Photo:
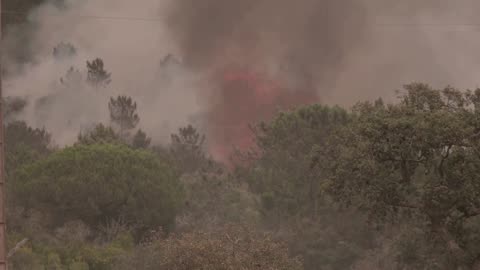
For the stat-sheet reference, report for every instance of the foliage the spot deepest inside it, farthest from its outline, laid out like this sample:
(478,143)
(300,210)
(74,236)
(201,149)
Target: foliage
(416,160)
(70,247)
(140,140)
(227,248)
(21,7)
(98,135)
(97,76)
(213,198)
(336,241)
(123,113)
(281,173)
(292,195)
(385,186)
(187,149)
(101,182)
(24,145)
(16,24)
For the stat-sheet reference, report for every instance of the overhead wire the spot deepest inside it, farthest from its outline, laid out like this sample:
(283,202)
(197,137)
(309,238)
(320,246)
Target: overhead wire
(447,26)
(124,18)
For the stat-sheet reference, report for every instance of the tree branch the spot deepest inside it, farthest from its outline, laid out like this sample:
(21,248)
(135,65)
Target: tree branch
(18,246)
(444,157)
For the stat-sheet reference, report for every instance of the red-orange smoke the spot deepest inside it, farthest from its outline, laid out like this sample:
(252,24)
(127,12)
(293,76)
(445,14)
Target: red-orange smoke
(243,98)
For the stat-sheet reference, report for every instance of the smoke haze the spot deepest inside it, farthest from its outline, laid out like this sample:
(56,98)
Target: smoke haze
(307,39)
(335,51)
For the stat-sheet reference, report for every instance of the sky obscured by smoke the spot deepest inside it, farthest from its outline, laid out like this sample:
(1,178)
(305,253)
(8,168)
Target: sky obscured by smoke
(343,51)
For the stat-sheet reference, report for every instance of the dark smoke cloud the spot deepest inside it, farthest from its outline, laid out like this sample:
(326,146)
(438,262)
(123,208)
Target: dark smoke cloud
(296,49)
(335,51)
(307,39)
(346,49)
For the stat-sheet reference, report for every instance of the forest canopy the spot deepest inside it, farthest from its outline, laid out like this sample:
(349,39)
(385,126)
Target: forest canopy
(324,187)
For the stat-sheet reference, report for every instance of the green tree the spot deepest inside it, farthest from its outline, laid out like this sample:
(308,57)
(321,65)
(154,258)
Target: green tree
(24,145)
(98,135)
(21,8)
(140,140)
(187,149)
(225,248)
(417,161)
(281,172)
(101,182)
(214,198)
(123,114)
(17,26)
(292,195)
(97,76)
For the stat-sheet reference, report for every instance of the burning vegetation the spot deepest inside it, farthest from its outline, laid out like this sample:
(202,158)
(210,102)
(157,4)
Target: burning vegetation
(243,98)
(239,96)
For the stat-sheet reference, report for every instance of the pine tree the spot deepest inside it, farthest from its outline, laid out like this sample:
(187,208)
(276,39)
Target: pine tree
(187,148)
(123,114)
(140,140)
(97,75)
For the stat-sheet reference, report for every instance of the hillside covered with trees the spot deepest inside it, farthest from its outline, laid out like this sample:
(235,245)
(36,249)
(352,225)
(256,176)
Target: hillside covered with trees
(378,186)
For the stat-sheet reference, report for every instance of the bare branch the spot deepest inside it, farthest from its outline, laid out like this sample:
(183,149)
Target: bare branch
(442,161)
(18,246)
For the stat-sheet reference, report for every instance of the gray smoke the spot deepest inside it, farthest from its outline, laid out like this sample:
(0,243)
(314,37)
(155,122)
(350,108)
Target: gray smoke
(346,50)
(132,51)
(310,39)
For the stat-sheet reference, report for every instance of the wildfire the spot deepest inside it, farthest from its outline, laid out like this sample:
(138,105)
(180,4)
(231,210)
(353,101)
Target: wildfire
(243,98)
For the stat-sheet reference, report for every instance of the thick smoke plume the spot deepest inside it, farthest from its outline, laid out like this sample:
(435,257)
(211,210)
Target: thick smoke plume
(313,50)
(243,98)
(281,53)
(306,41)
(132,51)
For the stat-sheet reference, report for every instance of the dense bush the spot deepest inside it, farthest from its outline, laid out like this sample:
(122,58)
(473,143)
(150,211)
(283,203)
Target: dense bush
(226,248)
(101,182)
(383,186)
